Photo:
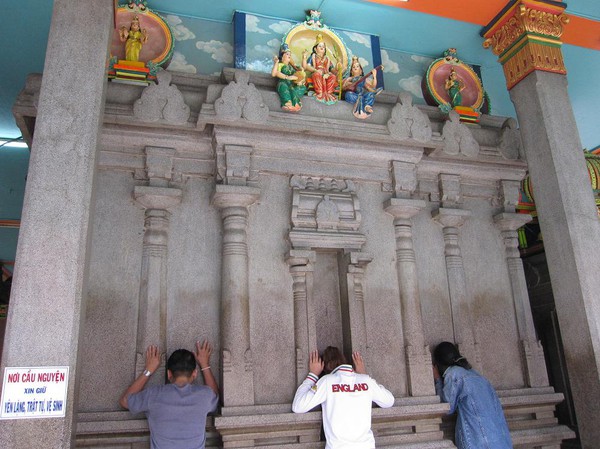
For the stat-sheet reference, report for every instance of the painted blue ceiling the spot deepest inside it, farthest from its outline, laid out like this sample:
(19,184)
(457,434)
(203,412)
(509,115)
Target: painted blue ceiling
(26,23)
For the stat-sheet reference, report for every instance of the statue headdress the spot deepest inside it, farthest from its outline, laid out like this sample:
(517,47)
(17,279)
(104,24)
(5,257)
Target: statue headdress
(284,48)
(319,39)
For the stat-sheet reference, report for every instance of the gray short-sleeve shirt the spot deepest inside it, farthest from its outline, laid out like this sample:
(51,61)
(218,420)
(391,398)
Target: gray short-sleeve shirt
(176,415)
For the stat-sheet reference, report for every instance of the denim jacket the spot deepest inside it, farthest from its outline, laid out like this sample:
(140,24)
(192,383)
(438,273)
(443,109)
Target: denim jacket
(480,423)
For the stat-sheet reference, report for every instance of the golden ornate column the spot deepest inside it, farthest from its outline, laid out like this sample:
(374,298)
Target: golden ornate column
(526,36)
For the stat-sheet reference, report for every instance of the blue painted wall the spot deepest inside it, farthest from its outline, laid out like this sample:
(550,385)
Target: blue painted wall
(13,172)
(408,41)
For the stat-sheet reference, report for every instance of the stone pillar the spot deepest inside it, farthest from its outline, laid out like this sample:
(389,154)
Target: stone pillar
(462,320)
(48,302)
(305,332)
(419,375)
(526,36)
(353,301)
(238,383)
(156,198)
(532,353)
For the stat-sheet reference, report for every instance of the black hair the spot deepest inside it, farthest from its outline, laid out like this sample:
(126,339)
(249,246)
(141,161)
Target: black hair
(314,49)
(181,362)
(446,355)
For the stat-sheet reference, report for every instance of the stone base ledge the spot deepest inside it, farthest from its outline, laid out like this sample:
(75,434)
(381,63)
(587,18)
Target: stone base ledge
(409,425)
(548,437)
(121,430)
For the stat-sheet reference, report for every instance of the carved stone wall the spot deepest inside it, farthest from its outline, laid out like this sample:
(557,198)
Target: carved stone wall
(407,212)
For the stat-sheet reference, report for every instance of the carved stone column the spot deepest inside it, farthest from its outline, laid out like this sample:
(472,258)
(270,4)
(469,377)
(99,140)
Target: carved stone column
(462,321)
(48,304)
(238,383)
(156,198)
(301,264)
(532,351)
(353,304)
(418,357)
(526,37)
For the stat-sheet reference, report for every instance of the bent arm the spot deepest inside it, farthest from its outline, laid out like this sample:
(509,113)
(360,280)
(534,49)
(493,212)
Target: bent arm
(450,394)
(209,380)
(275,70)
(152,364)
(202,355)
(381,396)
(306,64)
(309,394)
(137,386)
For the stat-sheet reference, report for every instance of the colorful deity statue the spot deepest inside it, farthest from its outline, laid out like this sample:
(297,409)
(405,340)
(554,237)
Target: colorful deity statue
(454,86)
(360,90)
(292,81)
(134,39)
(323,74)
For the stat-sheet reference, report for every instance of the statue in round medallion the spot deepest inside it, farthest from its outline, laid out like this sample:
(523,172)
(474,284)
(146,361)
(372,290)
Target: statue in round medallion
(322,71)
(134,38)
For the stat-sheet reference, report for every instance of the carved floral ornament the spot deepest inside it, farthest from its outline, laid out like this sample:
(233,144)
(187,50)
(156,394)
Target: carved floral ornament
(530,20)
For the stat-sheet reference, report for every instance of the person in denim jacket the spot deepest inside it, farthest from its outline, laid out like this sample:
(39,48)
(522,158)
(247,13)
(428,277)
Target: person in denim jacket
(480,423)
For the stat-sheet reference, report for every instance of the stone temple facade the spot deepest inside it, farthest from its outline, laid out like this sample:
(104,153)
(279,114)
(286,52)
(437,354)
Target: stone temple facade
(219,216)
(195,208)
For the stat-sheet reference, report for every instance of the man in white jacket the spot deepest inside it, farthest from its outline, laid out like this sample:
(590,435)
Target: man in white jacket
(347,398)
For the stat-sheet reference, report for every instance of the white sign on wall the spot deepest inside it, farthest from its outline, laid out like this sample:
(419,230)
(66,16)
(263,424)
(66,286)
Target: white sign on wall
(39,392)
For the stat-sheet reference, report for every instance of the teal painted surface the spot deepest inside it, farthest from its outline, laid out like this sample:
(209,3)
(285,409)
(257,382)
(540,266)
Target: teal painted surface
(8,244)
(201,46)
(583,76)
(13,170)
(23,39)
(204,44)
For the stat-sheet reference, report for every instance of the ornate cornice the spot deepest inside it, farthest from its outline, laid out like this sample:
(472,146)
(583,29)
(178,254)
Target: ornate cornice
(526,37)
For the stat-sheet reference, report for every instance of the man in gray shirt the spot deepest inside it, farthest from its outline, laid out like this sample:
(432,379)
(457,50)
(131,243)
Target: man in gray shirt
(176,412)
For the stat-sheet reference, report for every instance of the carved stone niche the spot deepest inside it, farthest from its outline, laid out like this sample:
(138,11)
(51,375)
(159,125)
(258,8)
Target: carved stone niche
(325,214)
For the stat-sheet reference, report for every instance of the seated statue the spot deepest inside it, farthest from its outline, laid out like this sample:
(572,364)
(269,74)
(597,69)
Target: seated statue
(291,85)
(322,72)
(360,90)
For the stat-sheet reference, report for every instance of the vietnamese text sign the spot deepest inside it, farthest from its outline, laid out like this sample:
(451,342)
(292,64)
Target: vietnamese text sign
(39,392)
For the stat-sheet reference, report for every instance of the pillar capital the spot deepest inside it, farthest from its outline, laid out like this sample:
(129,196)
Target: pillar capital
(301,260)
(526,37)
(511,222)
(403,209)
(234,196)
(451,218)
(358,261)
(157,197)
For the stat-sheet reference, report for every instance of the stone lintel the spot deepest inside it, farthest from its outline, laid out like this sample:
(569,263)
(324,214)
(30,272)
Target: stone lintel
(357,261)
(234,196)
(526,37)
(404,209)
(328,240)
(299,257)
(157,197)
(453,218)
(511,222)
(159,151)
